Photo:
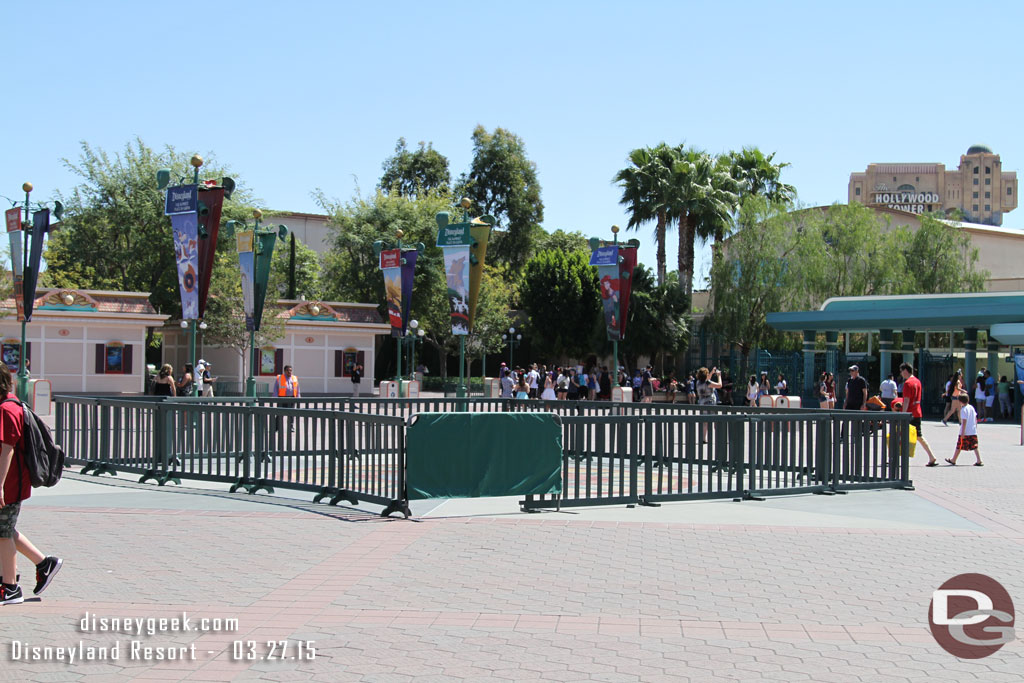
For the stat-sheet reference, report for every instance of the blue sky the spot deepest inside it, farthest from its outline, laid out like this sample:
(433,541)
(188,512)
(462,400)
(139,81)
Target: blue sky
(307,95)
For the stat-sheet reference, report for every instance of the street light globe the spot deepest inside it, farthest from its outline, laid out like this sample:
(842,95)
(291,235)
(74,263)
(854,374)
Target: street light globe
(184,324)
(466,202)
(27,187)
(519,337)
(257,214)
(511,330)
(421,333)
(414,324)
(196,161)
(203,326)
(615,229)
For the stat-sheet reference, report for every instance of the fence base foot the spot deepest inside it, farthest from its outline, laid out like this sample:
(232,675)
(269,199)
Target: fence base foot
(170,476)
(749,495)
(325,492)
(97,468)
(261,484)
(826,492)
(397,506)
(908,487)
(350,498)
(646,504)
(242,483)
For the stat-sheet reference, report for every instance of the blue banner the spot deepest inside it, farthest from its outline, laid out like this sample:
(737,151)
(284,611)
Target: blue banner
(181,199)
(605,256)
(184,231)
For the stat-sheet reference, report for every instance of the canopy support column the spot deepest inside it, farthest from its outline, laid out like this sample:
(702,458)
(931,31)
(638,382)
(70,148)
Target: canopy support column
(970,359)
(808,388)
(831,352)
(885,340)
(908,347)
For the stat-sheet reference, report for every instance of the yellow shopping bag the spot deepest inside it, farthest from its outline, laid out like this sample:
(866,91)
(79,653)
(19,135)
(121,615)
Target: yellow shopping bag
(913,440)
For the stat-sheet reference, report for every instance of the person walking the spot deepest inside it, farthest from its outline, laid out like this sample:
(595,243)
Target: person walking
(781,388)
(357,378)
(287,386)
(707,383)
(549,387)
(979,394)
(533,378)
(1003,391)
(522,387)
(646,388)
(990,397)
(912,393)
(164,384)
(184,387)
(15,487)
(857,391)
(887,391)
(507,383)
(753,391)
(954,387)
(967,440)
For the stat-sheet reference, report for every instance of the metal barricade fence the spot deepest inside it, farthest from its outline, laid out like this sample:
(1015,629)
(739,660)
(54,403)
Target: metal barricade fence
(613,453)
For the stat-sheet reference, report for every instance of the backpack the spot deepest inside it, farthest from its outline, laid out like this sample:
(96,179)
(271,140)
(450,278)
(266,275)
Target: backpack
(43,458)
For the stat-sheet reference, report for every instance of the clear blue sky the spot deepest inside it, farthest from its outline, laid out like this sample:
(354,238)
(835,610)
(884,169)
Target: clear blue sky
(303,95)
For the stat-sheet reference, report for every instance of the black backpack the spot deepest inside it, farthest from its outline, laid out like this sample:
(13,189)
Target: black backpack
(43,458)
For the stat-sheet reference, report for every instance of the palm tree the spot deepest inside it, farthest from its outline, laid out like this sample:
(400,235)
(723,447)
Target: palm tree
(704,195)
(646,186)
(759,176)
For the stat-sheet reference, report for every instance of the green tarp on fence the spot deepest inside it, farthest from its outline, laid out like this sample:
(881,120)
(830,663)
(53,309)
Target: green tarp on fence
(475,455)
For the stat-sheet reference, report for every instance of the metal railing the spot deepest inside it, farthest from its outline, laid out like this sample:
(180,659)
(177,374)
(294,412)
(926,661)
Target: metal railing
(353,449)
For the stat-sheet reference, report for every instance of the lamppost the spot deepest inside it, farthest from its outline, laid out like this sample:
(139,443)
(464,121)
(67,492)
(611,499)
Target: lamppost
(615,263)
(513,340)
(416,335)
(255,252)
(25,268)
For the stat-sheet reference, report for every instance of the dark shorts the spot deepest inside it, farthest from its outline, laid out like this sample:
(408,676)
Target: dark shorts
(647,390)
(967,443)
(9,519)
(916,422)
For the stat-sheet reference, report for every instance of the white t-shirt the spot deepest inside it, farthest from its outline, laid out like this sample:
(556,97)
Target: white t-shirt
(979,390)
(752,391)
(888,389)
(969,420)
(531,377)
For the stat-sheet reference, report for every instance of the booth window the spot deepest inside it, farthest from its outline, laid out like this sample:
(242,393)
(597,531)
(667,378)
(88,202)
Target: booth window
(114,358)
(856,191)
(345,360)
(1009,191)
(271,361)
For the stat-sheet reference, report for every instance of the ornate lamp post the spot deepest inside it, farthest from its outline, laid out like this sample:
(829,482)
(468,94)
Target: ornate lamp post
(255,252)
(25,268)
(513,341)
(615,263)
(398,262)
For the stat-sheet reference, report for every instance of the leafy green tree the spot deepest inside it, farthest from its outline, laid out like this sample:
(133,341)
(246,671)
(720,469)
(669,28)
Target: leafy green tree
(939,258)
(703,196)
(412,173)
(502,182)
(307,270)
(759,175)
(114,234)
(658,323)
(561,295)
(647,192)
(563,241)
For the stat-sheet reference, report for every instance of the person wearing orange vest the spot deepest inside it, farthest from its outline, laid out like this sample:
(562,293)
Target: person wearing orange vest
(288,384)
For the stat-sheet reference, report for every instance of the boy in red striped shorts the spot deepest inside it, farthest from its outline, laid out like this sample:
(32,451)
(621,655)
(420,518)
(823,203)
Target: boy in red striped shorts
(967,440)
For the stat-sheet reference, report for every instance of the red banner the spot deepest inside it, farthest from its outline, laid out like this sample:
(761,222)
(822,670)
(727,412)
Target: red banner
(209,224)
(13,219)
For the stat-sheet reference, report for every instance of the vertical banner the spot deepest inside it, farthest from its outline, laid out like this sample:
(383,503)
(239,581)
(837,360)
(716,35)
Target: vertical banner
(606,259)
(408,271)
(210,203)
(40,226)
(247,267)
(481,234)
(181,206)
(627,264)
(13,218)
(391,264)
(1018,363)
(457,272)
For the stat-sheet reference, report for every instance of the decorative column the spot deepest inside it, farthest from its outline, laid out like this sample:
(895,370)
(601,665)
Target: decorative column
(970,359)
(885,341)
(993,358)
(808,388)
(831,351)
(908,347)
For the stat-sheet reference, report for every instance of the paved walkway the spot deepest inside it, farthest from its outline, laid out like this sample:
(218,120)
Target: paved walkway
(804,588)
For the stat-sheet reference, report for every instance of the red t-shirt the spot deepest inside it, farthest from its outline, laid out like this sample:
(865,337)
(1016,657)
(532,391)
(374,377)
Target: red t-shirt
(17,485)
(912,395)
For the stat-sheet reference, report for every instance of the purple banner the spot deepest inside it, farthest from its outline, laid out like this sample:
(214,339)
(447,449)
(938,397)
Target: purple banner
(185,234)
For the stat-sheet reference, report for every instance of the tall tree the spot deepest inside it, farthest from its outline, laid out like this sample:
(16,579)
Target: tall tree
(939,258)
(703,197)
(646,192)
(114,234)
(413,173)
(502,182)
(560,292)
(658,323)
(564,241)
(759,175)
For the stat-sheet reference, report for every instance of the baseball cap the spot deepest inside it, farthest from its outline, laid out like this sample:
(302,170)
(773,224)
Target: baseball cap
(854,367)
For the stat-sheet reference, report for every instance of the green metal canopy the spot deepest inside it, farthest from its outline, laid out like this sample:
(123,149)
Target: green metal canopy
(996,311)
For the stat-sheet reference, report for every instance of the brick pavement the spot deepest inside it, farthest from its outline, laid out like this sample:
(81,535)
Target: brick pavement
(522,597)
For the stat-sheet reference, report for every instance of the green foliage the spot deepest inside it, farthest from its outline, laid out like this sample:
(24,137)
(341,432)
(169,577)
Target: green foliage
(307,271)
(658,322)
(502,182)
(759,176)
(411,174)
(647,192)
(563,241)
(114,234)
(786,261)
(560,293)
(225,312)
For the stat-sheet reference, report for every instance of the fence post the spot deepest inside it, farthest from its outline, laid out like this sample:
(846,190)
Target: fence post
(905,456)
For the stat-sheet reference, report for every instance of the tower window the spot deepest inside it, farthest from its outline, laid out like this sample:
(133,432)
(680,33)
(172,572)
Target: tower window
(974,208)
(856,191)
(1009,191)
(975,169)
(988,207)
(975,181)
(988,169)
(975,195)
(988,181)
(988,195)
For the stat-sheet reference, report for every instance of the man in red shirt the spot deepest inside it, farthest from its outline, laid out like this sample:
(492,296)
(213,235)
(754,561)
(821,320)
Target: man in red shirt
(912,404)
(16,487)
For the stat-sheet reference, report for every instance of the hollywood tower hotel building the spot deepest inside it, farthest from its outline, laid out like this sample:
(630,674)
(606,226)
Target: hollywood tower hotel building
(978,188)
